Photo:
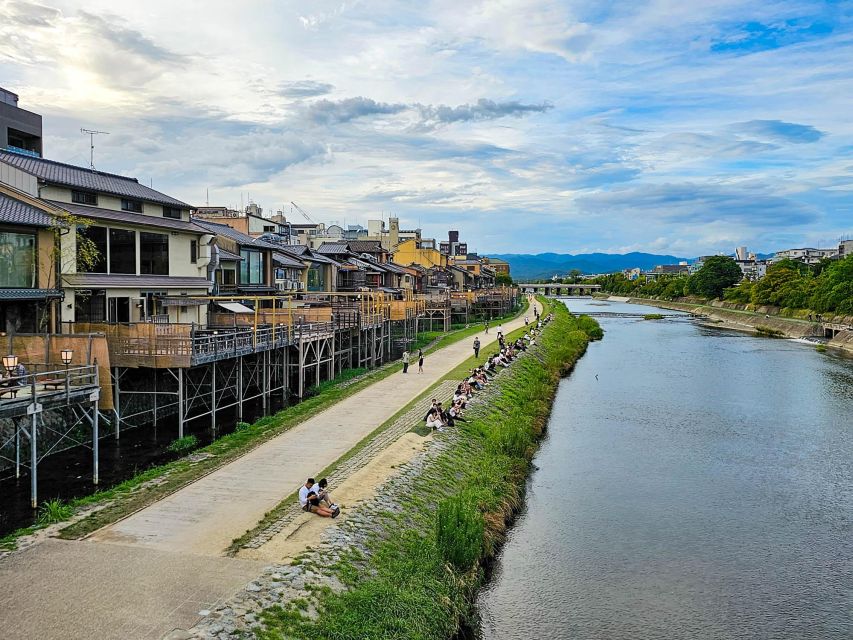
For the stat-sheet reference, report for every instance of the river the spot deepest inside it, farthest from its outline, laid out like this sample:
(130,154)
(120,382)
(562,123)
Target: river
(699,488)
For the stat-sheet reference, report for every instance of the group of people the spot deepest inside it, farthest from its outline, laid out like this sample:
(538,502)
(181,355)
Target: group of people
(314,497)
(440,417)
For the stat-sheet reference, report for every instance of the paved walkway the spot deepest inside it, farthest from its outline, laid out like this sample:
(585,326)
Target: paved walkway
(143,569)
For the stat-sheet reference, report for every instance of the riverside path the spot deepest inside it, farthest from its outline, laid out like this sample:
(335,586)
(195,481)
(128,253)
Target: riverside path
(155,570)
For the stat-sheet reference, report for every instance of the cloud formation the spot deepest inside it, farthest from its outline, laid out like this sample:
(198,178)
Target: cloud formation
(560,125)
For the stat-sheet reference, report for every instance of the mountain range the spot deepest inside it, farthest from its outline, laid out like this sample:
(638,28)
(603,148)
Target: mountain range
(544,265)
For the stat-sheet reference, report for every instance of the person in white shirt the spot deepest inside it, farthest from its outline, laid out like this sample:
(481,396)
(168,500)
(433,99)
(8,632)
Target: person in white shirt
(311,502)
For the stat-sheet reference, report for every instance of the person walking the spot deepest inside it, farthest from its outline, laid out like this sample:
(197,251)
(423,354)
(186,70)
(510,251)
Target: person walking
(420,360)
(526,321)
(477,347)
(486,325)
(405,362)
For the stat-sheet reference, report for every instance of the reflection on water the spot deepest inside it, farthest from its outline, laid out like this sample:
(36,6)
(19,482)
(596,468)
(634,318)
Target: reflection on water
(700,488)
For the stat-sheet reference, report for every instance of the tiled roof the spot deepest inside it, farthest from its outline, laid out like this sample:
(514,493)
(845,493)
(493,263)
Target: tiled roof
(134,282)
(226,255)
(14,211)
(30,294)
(126,217)
(85,178)
(237,236)
(286,260)
(332,248)
(296,249)
(365,246)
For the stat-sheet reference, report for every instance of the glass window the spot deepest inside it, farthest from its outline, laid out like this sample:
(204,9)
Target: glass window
(91,306)
(229,276)
(17,260)
(84,197)
(252,267)
(131,205)
(193,251)
(122,251)
(98,236)
(172,212)
(154,253)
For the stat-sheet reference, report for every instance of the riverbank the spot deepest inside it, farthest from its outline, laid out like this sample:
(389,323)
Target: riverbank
(409,564)
(88,513)
(738,317)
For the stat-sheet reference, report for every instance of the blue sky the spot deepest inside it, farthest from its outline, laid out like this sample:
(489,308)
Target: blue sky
(663,126)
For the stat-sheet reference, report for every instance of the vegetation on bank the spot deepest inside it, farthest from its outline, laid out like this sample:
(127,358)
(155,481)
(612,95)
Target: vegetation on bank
(823,288)
(426,562)
(769,332)
(653,316)
(140,490)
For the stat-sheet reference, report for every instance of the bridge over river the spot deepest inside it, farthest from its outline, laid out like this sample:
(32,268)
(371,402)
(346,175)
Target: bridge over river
(559,289)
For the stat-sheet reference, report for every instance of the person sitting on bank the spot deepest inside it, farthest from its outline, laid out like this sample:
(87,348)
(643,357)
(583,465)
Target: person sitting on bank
(434,418)
(324,495)
(311,502)
(456,413)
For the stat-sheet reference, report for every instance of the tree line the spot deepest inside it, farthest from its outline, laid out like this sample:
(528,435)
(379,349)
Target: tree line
(826,287)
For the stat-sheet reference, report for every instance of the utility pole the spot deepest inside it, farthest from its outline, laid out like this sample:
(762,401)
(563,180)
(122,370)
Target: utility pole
(92,133)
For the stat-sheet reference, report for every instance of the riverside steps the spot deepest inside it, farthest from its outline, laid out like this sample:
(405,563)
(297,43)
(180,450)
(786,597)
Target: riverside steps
(155,570)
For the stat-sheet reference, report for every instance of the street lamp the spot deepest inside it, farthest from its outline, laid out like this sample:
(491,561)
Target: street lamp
(10,362)
(66,355)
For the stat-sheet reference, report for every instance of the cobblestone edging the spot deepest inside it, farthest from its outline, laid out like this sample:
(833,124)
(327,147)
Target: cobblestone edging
(343,471)
(280,584)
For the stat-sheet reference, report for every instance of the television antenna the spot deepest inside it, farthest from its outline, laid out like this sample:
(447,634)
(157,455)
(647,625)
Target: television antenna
(92,133)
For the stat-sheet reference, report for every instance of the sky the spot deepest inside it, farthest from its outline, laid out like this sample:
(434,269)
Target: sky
(685,128)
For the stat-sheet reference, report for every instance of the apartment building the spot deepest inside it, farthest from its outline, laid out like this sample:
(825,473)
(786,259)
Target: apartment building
(20,130)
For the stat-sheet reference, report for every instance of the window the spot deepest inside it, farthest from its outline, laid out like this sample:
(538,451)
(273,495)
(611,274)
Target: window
(268,228)
(91,306)
(131,205)
(84,197)
(98,236)
(228,276)
(252,267)
(154,253)
(172,212)
(193,251)
(316,279)
(122,251)
(17,260)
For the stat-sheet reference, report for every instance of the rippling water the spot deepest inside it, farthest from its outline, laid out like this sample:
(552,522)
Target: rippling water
(700,488)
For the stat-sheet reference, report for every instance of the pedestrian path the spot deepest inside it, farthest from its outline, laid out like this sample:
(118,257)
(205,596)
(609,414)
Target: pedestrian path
(156,569)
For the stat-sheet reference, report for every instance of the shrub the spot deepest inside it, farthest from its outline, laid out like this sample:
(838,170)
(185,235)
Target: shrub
(653,316)
(183,445)
(459,531)
(54,510)
(242,426)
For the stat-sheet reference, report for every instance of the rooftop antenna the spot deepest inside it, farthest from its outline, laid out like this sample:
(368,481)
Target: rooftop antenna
(207,197)
(92,133)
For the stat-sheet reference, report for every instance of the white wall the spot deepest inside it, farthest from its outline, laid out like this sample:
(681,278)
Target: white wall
(18,179)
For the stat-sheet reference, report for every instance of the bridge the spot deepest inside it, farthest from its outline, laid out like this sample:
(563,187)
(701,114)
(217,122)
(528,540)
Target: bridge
(559,289)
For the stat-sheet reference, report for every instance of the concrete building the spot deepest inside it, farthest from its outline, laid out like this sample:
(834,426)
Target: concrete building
(500,267)
(845,249)
(806,255)
(151,255)
(453,247)
(250,221)
(20,130)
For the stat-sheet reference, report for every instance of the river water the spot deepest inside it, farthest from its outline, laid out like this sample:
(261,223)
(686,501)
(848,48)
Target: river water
(701,487)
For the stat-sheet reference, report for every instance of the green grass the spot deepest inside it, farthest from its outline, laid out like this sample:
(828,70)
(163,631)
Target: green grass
(52,511)
(182,446)
(653,316)
(769,332)
(421,571)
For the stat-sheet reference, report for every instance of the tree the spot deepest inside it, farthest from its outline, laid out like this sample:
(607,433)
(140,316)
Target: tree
(717,274)
(503,280)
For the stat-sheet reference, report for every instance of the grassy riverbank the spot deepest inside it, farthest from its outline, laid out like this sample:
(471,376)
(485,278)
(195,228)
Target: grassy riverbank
(423,564)
(110,505)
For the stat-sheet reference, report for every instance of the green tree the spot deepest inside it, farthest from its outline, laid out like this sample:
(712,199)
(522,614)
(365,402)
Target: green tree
(717,274)
(503,280)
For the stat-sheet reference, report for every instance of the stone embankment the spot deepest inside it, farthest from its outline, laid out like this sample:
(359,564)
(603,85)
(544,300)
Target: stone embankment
(749,318)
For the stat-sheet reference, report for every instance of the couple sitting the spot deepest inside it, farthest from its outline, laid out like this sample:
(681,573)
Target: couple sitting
(312,496)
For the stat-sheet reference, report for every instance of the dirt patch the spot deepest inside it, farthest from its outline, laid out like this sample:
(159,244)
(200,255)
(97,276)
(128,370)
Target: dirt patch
(304,532)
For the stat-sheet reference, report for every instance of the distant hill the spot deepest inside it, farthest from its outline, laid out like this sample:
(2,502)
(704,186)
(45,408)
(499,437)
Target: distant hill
(544,265)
